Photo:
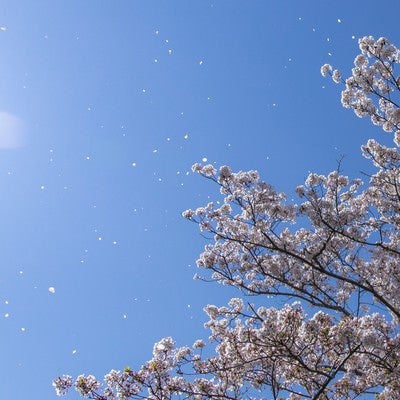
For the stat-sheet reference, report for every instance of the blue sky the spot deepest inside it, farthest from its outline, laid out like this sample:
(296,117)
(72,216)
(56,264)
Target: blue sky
(104,107)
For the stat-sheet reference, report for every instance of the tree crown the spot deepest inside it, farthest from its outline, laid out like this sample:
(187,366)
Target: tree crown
(336,251)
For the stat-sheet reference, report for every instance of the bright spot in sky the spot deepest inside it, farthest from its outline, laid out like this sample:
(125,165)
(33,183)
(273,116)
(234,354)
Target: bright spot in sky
(3,28)
(74,351)
(12,132)
(52,289)
(204,159)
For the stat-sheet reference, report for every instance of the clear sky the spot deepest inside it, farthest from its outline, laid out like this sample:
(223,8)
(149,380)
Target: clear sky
(104,107)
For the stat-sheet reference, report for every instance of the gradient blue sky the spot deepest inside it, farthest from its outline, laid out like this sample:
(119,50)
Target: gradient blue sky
(104,107)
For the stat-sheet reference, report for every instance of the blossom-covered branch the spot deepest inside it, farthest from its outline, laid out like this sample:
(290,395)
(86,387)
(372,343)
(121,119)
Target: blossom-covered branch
(374,86)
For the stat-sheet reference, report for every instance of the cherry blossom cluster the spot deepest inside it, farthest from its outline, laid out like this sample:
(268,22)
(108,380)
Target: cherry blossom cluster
(337,249)
(160,378)
(304,357)
(260,250)
(335,252)
(281,351)
(374,86)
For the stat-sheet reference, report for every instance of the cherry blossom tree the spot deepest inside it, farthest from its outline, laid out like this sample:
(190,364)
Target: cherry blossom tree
(333,257)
